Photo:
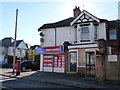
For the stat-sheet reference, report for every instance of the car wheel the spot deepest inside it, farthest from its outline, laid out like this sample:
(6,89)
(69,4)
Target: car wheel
(23,69)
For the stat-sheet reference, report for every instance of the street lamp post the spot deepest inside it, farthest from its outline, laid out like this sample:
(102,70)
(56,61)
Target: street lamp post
(14,58)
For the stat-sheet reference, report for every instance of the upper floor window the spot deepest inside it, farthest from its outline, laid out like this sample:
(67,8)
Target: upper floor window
(112,34)
(19,50)
(85,33)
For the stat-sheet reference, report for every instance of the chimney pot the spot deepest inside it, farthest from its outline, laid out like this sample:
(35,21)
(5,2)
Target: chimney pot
(76,11)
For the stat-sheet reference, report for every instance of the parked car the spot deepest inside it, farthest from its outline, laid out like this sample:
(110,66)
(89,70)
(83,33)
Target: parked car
(29,65)
(3,64)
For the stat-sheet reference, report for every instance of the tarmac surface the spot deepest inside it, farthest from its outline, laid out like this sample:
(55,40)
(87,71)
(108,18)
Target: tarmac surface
(62,79)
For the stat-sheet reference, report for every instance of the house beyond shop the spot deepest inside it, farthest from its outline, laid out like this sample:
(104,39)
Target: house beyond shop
(79,44)
(8,49)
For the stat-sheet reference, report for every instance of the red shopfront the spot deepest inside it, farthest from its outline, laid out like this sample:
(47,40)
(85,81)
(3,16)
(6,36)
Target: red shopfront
(53,60)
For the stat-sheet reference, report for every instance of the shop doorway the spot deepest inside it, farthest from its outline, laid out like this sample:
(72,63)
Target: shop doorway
(73,61)
(90,65)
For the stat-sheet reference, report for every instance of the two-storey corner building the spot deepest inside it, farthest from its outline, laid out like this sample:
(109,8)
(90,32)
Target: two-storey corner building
(85,40)
(53,36)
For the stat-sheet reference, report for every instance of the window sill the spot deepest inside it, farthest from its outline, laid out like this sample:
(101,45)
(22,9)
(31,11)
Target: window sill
(85,41)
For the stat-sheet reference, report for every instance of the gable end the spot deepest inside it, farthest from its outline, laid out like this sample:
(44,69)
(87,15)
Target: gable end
(85,17)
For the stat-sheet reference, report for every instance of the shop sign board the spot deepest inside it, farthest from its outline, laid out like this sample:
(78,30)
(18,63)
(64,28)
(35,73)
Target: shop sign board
(112,58)
(56,49)
(40,50)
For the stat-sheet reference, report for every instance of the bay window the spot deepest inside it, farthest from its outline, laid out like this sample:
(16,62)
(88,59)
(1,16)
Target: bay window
(85,33)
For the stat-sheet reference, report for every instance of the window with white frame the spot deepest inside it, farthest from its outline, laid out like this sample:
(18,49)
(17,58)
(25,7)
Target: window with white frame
(19,50)
(112,34)
(85,33)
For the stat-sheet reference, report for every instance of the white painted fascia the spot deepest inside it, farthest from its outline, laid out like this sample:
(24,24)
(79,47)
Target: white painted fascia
(96,19)
(76,19)
(84,12)
(83,46)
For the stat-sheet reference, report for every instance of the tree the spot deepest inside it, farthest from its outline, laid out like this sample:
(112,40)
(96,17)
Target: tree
(30,54)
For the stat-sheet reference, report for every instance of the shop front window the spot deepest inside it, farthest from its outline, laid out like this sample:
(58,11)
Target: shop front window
(81,60)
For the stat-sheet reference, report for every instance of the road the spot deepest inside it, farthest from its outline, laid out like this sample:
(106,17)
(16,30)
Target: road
(37,79)
(14,83)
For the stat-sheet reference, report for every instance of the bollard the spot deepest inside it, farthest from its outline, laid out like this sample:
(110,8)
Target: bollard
(17,67)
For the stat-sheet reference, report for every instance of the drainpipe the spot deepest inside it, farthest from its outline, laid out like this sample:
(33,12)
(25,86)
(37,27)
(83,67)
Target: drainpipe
(55,36)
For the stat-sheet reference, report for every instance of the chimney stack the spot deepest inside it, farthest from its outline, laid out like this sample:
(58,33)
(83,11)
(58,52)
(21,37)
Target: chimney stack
(76,11)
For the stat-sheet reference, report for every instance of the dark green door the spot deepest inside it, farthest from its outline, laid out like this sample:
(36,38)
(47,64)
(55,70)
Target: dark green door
(73,61)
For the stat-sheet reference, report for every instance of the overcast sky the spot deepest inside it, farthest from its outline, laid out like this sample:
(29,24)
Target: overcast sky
(32,14)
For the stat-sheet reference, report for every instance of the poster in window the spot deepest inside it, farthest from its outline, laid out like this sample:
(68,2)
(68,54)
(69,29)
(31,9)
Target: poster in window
(48,61)
(54,61)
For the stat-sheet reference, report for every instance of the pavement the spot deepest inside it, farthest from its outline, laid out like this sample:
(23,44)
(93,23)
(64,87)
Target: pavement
(62,79)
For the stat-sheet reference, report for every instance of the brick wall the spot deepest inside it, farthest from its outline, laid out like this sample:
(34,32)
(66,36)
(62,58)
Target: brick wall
(81,70)
(66,60)
(100,66)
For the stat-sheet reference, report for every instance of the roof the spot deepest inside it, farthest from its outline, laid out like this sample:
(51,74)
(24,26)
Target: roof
(17,43)
(113,23)
(62,23)
(33,47)
(6,42)
(73,20)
